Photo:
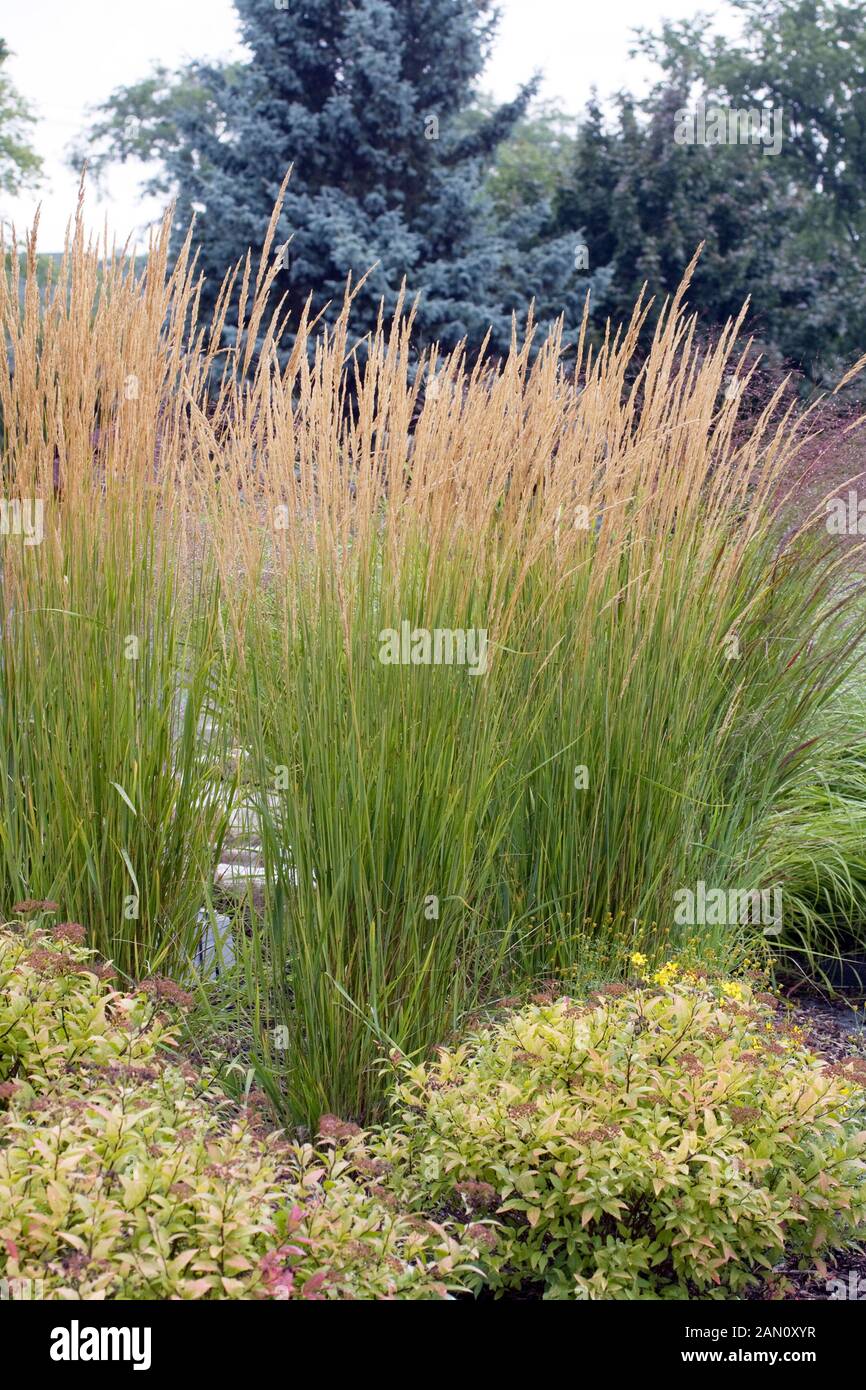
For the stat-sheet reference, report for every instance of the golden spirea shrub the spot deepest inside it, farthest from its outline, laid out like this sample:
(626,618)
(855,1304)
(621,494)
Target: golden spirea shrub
(646,1144)
(124,1174)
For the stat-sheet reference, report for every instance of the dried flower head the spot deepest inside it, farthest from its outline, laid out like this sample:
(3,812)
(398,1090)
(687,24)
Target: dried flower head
(72,932)
(166,991)
(689,1063)
(332,1127)
(521,1112)
(482,1235)
(101,969)
(478,1196)
(28,905)
(48,962)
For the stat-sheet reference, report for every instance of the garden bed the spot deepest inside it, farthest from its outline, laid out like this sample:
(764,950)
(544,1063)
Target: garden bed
(655,1139)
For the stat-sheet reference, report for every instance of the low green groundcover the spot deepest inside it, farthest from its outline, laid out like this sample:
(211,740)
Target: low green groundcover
(658,1142)
(662,1140)
(126,1175)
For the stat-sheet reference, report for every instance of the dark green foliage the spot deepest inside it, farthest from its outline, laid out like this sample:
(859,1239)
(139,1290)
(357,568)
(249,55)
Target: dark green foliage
(19,162)
(787,230)
(488,215)
(366,102)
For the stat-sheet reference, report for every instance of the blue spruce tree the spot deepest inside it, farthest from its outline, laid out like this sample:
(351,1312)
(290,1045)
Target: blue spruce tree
(366,100)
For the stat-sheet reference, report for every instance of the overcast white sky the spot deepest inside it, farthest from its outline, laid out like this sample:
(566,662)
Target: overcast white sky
(71,55)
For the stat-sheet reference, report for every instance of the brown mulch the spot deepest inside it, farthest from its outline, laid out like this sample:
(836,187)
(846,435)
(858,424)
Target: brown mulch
(792,1285)
(833,1031)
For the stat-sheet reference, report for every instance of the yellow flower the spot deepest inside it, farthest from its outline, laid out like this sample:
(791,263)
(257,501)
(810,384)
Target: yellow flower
(637,959)
(665,976)
(732,989)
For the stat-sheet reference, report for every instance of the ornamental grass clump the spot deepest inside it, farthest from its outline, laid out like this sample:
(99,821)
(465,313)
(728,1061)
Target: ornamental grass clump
(109,668)
(510,653)
(648,658)
(649,1143)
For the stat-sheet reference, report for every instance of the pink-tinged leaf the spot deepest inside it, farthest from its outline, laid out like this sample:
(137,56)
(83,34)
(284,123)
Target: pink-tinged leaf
(199,1287)
(314,1283)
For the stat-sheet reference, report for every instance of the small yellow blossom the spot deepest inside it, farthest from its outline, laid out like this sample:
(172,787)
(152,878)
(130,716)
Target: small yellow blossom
(667,974)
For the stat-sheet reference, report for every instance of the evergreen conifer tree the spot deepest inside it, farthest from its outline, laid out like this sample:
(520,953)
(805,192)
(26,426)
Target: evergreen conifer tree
(366,100)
